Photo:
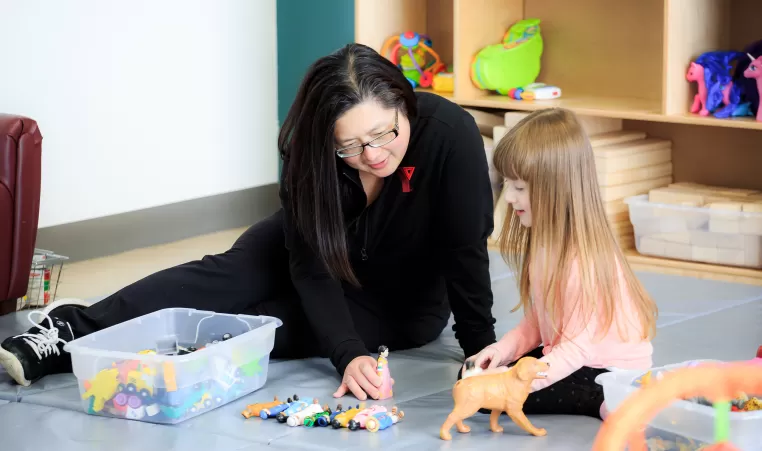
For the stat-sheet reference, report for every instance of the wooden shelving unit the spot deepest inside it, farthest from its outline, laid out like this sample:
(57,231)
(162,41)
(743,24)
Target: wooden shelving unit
(624,60)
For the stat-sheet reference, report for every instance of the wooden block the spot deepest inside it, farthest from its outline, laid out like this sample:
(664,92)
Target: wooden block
(752,207)
(650,246)
(595,125)
(725,206)
(616,137)
(632,148)
(498,132)
(634,175)
(717,191)
(678,251)
(621,216)
(734,257)
(719,224)
(704,254)
(616,207)
(622,162)
(610,193)
(674,237)
(485,121)
(511,118)
(750,226)
(675,197)
(626,242)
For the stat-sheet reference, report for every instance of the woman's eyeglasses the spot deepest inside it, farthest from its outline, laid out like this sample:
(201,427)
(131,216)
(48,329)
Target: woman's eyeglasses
(357,149)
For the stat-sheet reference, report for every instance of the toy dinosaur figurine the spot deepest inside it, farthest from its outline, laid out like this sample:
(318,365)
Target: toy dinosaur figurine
(382,369)
(499,392)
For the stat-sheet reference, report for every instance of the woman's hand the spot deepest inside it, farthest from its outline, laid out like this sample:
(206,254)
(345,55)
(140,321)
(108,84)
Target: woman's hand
(361,379)
(488,358)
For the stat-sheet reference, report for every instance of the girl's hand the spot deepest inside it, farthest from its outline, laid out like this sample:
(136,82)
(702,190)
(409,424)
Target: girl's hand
(361,379)
(487,358)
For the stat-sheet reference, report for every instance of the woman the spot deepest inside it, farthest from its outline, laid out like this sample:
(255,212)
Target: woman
(386,210)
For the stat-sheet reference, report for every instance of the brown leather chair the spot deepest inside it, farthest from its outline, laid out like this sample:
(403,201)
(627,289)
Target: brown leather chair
(20,167)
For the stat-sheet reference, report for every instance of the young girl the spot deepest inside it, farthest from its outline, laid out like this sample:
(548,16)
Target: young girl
(584,310)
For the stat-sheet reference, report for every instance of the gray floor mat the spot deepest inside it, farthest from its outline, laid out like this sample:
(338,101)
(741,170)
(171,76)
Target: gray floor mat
(700,319)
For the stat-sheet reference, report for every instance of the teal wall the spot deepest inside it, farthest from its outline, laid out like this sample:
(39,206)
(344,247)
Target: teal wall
(307,30)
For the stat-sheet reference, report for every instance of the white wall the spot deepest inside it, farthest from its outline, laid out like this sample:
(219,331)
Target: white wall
(142,102)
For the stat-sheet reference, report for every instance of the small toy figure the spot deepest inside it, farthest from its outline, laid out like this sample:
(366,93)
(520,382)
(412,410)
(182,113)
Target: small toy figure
(383,420)
(382,369)
(358,421)
(253,410)
(717,95)
(754,71)
(298,418)
(342,420)
(499,392)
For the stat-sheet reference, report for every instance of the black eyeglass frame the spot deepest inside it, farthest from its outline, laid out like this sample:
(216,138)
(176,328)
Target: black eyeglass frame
(374,142)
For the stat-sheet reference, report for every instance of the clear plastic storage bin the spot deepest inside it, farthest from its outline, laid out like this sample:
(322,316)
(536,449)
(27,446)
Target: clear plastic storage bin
(701,234)
(684,425)
(145,369)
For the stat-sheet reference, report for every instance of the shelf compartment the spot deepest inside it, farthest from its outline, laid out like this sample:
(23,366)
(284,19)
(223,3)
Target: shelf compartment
(693,27)
(376,21)
(601,57)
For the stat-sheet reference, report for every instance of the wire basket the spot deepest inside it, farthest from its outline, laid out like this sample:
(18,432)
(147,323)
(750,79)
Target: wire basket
(44,277)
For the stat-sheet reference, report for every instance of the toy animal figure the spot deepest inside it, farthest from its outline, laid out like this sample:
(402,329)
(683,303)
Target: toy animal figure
(500,392)
(712,72)
(754,71)
(382,369)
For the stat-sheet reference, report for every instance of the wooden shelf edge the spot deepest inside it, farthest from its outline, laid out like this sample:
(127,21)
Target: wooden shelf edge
(706,271)
(631,109)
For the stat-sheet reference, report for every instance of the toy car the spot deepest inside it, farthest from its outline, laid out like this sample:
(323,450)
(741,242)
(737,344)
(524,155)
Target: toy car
(383,420)
(359,420)
(342,420)
(298,418)
(272,412)
(294,408)
(253,410)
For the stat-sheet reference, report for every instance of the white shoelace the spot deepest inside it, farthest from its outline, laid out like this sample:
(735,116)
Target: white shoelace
(45,341)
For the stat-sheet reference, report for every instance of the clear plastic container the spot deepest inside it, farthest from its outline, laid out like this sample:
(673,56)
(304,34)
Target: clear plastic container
(140,369)
(684,425)
(700,234)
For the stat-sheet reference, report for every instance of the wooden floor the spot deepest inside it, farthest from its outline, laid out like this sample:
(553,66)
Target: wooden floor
(102,276)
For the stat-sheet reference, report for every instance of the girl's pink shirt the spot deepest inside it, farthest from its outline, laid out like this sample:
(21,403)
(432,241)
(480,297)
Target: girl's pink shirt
(581,345)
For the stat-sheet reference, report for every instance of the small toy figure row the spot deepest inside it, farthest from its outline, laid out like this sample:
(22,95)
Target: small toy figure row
(295,412)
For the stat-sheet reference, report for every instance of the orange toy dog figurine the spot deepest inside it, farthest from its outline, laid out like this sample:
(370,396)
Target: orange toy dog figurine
(505,391)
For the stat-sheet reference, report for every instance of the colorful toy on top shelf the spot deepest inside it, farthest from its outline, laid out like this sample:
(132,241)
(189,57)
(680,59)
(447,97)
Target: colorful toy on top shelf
(499,392)
(535,91)
(444,82)
(382,369)
(513,63)
(754,72)
(413,53)
(717,95)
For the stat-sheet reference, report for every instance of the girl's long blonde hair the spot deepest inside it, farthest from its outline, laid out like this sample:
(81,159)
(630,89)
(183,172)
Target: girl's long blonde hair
(550,151)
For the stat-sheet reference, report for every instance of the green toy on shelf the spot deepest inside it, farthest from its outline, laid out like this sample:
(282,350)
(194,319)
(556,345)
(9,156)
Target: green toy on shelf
(513,63)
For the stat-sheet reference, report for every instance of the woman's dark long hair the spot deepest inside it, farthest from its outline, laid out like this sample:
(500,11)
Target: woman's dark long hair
(332,85)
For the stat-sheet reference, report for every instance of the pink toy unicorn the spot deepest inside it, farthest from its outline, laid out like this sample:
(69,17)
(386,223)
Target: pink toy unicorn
(754,71)
(717,94)
(696,73)
(383,370)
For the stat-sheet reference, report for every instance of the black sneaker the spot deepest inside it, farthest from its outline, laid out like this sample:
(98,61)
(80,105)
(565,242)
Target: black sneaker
(39,351)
